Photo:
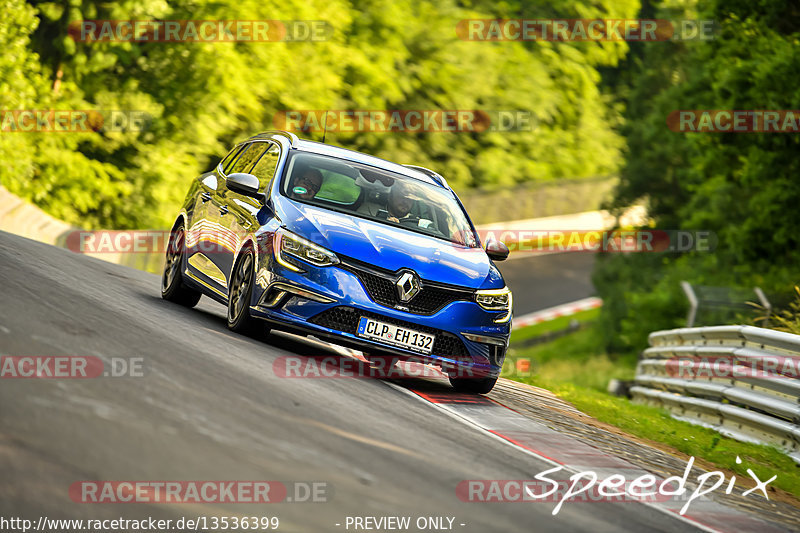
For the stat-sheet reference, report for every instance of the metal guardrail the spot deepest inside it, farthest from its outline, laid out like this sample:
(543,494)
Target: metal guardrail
(742,381)
(722,303)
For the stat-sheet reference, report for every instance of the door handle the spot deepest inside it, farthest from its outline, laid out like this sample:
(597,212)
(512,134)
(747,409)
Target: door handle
(205,197)
(223,210)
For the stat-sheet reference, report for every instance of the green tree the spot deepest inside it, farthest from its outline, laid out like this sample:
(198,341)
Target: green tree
(742,186)
(201,97)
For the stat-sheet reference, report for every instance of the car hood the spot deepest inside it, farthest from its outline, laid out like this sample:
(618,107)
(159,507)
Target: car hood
(391,247)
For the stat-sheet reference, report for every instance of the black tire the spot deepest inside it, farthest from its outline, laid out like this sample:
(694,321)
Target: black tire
(172,287)
(240,293)
(473,385)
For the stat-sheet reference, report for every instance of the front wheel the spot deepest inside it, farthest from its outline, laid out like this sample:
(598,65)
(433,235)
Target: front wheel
(239,296)
(473,385)
(172,287)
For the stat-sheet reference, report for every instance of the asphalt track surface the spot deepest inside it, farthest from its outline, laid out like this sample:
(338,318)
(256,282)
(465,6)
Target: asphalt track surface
(210,407)
(539,281)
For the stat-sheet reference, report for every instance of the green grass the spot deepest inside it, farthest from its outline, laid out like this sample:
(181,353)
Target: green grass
(556,324)
(577,370)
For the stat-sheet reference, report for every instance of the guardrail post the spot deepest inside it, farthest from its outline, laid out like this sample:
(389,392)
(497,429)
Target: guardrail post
(765,303)
(692,297)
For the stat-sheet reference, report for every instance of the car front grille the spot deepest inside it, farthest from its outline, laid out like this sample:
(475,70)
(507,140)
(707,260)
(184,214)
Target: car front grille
(346,319)
(380,285)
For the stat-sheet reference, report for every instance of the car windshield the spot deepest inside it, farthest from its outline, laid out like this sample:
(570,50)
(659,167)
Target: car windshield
(377,194)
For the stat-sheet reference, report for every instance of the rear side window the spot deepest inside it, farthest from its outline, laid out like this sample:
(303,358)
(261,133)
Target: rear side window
(248,158)
(265,167)
(225,163)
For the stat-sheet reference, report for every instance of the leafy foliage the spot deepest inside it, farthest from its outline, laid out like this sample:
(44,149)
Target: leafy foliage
(788,319)
(742,186)
(201,97)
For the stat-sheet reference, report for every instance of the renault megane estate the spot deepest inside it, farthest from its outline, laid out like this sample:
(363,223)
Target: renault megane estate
(312,239)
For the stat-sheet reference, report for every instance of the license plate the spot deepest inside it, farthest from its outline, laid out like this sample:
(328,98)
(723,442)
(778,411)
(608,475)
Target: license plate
(395,335)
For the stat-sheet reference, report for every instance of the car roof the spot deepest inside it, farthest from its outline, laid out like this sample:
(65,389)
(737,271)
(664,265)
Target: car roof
(351,155)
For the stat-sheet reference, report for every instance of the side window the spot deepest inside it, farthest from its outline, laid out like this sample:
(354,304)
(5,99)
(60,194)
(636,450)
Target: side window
(338,188)
(251,154)
(226,163)
(265,167)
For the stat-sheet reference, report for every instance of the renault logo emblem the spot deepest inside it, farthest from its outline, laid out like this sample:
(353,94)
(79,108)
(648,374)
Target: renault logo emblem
(407,286)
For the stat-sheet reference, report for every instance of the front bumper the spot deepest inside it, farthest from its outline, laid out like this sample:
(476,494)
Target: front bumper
(327,302)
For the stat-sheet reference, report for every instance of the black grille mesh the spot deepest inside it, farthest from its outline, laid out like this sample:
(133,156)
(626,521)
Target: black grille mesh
(346,319)
(430,299)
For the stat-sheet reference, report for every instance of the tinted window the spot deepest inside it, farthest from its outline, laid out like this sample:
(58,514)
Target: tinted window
(377,194)
(225,163)
(338,188)
(245,162)
(265,167)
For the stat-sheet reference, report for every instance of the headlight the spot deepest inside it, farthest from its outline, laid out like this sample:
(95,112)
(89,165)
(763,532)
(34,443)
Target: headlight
(496,300)
(293,245)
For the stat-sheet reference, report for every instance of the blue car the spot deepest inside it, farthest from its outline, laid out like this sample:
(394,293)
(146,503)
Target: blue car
(312,239)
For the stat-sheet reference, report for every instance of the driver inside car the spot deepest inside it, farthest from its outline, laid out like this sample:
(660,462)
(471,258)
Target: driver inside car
(397,208)
(307,184)
(400,203)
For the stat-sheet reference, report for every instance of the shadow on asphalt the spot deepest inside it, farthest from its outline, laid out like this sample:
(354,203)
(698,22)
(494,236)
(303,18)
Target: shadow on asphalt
(309,349)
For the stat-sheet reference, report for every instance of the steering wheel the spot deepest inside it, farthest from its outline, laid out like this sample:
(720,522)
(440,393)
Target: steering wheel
(410,221)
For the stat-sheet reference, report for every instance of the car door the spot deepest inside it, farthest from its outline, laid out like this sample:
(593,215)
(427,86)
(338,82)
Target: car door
(248,214)
(236,211)
(203,232)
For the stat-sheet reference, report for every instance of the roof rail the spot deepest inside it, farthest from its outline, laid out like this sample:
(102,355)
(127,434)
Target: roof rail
(289,135)
(435,175)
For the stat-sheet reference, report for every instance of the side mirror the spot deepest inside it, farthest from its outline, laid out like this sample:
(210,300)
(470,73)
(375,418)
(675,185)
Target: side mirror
(245,184)
(496,250)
